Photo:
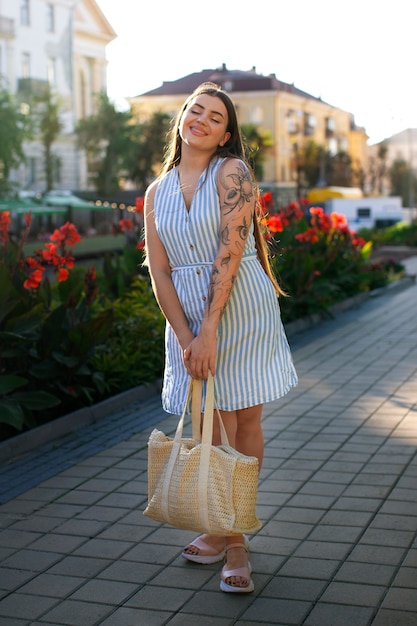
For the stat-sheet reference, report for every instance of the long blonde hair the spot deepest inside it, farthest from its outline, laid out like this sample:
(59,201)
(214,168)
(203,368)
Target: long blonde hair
(233,148)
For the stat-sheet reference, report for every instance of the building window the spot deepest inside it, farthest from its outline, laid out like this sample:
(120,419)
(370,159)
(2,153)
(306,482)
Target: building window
(50,18)
(24,13)
(309,124)
(51,70)
(30,173)
(25,65)
(256,115)
(330,126)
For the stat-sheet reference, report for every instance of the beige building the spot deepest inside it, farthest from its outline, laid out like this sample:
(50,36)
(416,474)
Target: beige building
(63,43)
(292,116)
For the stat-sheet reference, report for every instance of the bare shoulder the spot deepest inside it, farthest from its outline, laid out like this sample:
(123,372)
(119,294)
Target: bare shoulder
(151,190)
(234,166)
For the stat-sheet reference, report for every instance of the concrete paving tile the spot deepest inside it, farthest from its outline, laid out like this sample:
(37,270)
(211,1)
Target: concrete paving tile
(306,567)
(346,518)
(318,488)
(356,572)
(105,591)
(75,613)
(386,537)
(52,585)
(59,509)
(394,522)
(401,599)
(26,606)
(103,548)
(186,577)
(358,504)
(387,617)
(397,507)
(17,538)
(336,614)
(32,560)
(124,532)
(406,577)
(281,546)
(343,534)
(154,597)
(102,513)
(133,617)
(151,553)
(294,588)
(311,501)
(323,550)
(411,558)
(215,604)
(384,555)
(294,514)
(37,524)
(195,620)
(87,567)
(11,579)
(79,497)
(289,611)
(63,544)
(81,528)
(353,594)
(123,500)
(288,530)
(130,571)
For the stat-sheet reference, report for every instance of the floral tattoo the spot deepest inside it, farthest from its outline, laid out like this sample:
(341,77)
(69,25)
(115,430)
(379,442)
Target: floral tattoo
(239,192)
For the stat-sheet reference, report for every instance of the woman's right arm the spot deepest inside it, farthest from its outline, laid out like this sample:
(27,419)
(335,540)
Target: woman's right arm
(160,273)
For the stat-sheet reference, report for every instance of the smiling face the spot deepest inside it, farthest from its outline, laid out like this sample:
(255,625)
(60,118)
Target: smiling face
(204,123)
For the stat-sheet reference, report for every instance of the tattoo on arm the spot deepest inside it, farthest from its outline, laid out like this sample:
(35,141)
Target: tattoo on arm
(239,189)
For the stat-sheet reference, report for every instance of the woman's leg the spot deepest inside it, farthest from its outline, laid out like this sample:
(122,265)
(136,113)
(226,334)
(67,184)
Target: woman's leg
(244,432)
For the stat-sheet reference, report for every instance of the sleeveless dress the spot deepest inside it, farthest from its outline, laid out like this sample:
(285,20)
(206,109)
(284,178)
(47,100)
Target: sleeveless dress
(254,363)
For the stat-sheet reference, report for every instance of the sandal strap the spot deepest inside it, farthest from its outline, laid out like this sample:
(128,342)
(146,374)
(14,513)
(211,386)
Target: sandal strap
(237,545)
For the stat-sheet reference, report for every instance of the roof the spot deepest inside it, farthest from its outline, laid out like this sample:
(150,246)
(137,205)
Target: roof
(229,80)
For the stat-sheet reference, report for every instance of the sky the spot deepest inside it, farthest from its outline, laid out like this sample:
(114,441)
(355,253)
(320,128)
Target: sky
(359,56)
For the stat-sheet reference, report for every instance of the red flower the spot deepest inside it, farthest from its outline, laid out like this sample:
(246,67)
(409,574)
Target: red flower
(35,273)
(267,201)
(140,203)
(140,245)
(4,225)
(274,224)
(62,274)
(308,236)
(126,224)
(66,235)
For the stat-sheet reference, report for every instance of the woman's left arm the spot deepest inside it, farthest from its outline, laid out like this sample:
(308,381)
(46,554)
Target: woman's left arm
(237,205)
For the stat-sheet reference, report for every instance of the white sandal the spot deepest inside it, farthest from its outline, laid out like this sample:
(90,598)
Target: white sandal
(241,572)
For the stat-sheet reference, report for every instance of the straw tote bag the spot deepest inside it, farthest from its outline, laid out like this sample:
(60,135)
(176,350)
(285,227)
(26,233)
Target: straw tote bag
(197,486)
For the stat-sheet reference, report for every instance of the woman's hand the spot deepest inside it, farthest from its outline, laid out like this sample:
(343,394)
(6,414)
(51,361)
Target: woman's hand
(200,356)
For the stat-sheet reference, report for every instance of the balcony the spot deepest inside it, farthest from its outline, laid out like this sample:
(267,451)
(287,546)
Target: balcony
(6,28)
(31,87)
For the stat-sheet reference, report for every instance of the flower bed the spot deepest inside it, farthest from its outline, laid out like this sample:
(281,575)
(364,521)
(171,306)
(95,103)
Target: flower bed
(71,336)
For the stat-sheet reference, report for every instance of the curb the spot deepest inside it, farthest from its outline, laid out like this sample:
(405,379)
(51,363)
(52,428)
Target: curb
(19,445)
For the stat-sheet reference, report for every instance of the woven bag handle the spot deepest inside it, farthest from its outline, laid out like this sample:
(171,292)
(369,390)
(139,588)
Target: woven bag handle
(195,389)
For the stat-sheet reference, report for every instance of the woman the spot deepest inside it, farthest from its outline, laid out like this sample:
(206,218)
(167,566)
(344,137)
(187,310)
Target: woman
(211,277)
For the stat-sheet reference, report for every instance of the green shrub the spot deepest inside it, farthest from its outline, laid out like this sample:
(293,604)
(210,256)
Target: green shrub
(134,351)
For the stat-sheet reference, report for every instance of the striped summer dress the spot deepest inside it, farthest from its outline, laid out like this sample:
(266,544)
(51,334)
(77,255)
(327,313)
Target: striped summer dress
(254,363)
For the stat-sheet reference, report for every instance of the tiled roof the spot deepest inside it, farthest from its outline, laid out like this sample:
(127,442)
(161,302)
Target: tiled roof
(229,80)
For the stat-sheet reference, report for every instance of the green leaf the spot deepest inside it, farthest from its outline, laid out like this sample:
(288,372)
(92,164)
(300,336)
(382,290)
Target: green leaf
(9,383)
(11,414)
(36,400)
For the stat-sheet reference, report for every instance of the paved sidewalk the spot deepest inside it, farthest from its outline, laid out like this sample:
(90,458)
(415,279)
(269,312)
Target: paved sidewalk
(338,498)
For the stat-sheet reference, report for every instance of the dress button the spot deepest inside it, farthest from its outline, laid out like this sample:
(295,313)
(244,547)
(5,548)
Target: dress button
(198,272)
(204,298)
(191,246)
